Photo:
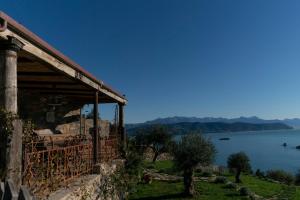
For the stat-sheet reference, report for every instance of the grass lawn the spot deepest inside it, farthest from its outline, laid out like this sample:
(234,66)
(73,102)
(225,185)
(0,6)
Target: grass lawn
(165,190)
(165,166)
(260,187)
(211,191)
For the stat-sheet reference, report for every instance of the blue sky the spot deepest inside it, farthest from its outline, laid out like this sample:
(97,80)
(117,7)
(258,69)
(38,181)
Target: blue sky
(224,58)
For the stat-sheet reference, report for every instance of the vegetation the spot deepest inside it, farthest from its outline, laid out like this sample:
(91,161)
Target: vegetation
(240,163)
(259,173)
(192,150)
(297,178)
(6,129)
(162,166)
(211,191)
(281,176)
(157,138)
(125,179)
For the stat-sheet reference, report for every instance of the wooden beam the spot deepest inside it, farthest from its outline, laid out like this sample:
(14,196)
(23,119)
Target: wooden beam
(47,83)
(35,73)
(62,90)
(51,79)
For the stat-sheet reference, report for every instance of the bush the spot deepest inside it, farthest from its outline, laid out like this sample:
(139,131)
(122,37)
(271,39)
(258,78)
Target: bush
(231,185)
(259,173)
(207,174)
(222,170)
(281,176)
(297,178)
(198,170)
(244,191)
(221,179)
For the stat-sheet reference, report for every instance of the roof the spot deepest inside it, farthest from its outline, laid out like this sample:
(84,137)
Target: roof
(7,22)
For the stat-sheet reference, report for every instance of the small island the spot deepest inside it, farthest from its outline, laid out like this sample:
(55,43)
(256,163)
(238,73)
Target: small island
(225,138)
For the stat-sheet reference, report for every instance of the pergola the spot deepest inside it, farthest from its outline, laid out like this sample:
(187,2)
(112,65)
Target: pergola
(29,63)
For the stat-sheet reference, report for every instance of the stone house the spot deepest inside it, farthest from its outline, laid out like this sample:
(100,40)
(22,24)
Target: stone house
(40,83)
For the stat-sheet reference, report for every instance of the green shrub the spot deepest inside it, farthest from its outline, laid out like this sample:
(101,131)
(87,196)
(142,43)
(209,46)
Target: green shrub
(281,176)
(231,185)
(198,170)
(259,173)
(222,170)
(244,191)
(297,178)
(221,179)
(207,174)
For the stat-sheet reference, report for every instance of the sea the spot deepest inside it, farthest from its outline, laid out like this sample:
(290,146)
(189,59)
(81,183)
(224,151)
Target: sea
(264,148)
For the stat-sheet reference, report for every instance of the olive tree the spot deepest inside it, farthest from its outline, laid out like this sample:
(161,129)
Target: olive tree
(155,137)
(240,162)
(192,150)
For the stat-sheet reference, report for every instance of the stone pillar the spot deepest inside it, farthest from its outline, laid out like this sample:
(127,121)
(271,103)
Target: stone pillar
(121,125)
(95,134)
(8,100)
(8,74)
(14,154)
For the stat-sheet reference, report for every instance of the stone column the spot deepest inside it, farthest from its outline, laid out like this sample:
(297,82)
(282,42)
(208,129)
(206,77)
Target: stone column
(95,134)
(8,100)
(8,74)
(121,125)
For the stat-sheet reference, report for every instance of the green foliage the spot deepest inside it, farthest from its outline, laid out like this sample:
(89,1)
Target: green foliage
(259,173)
(221,179)
(211,191)
(6,129)
(244,191)
(281,176)
(125,179)
(172,191)
(28,132)
(207,174)
(162,166)
(191,150)
(155,137)
(239,161)
(297,178)
(231,185)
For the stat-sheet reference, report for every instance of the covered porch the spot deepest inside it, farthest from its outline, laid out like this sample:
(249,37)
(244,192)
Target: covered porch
(40,84)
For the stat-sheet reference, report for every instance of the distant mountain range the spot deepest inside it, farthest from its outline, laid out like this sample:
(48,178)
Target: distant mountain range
(183,125)
(295,123)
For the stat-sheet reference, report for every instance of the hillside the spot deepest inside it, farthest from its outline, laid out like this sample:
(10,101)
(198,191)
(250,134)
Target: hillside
(211,127)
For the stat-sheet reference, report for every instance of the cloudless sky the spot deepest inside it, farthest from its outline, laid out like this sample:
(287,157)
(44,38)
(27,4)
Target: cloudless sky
(225,58)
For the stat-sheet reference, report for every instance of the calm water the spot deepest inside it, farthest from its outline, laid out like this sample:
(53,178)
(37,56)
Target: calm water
(264,148)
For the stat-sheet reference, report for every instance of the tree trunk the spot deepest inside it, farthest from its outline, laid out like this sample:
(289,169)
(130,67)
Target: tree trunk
(155,156)
(237,176)
(188,180)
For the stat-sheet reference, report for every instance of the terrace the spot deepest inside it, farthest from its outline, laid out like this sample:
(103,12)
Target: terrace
(41,84)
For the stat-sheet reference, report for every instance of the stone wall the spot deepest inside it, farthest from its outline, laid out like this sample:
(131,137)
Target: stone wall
(47,111)
(56,114)
(89,187)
